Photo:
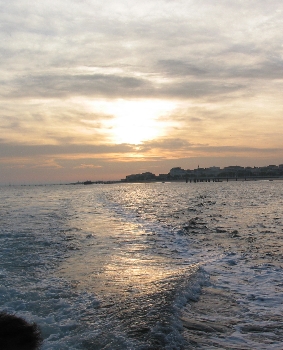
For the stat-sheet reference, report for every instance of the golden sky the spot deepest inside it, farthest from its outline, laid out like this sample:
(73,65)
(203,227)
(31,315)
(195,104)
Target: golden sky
(99,90)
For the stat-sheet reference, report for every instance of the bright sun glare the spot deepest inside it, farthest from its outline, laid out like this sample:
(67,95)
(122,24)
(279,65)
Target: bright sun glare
(136,120)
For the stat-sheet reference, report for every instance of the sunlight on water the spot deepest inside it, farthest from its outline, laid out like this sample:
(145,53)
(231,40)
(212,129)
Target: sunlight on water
(122,260)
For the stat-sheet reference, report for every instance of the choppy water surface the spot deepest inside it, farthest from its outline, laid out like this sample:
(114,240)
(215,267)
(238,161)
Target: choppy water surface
(146,266)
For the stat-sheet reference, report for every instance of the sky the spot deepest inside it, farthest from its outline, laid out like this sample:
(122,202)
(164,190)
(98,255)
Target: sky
(97,90)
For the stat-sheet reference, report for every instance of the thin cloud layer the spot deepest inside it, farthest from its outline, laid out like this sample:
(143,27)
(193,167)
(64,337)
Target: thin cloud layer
(63,64)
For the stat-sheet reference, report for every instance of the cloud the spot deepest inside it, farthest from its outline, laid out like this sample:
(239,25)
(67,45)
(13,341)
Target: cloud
(181,146)
(113,86)
(165,144)
(62,86)
(172,50)
(238,150)
(88,166)
(14,150)
(181,68)
(53,121)
(240,63)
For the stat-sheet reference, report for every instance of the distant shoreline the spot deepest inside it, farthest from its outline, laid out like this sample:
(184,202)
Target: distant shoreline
(188,180)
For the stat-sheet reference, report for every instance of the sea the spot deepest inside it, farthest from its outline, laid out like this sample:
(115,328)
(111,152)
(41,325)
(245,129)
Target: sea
(145,266)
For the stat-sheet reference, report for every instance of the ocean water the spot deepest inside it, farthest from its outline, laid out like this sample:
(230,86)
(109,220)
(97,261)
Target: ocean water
(145,266)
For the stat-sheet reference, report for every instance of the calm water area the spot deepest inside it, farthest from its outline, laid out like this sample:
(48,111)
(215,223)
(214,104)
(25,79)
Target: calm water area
(146,266)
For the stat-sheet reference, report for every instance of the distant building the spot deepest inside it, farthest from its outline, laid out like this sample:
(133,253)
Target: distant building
(163,177)
(232,171)
(132,177)
(177,172)
(249,171)
(233,168)
(212,171)
(199,171)
(147,176)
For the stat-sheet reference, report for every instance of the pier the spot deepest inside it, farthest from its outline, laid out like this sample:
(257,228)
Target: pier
(227,179)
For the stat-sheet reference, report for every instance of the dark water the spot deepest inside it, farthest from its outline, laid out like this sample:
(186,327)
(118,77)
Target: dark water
(146,266)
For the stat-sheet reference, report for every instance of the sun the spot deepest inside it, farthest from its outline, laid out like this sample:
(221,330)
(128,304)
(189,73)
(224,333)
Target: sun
(135,121)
